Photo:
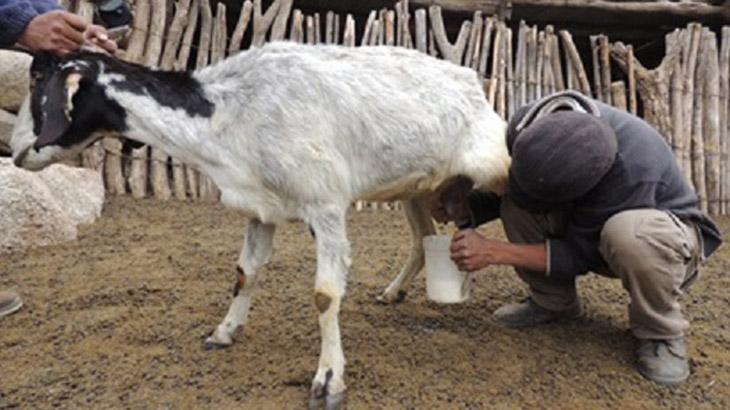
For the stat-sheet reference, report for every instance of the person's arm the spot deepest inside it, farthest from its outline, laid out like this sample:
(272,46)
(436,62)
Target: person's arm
(471,251)
(14,17)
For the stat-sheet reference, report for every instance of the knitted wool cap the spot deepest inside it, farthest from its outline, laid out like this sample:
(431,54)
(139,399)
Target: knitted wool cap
(560,157)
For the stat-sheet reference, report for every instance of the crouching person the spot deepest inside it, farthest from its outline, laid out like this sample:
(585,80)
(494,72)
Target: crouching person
(593,188)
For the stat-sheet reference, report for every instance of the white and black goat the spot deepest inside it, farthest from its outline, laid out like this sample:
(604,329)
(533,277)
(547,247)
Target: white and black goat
(287,132)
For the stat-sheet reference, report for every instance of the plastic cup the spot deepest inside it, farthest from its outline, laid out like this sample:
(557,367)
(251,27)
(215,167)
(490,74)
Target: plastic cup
(445,283)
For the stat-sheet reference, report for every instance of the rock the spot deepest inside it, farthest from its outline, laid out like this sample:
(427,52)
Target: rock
(7,120)
(44,208)
(14,78)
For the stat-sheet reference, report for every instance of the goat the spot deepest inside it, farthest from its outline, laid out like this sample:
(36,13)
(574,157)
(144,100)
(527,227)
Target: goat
(287,132)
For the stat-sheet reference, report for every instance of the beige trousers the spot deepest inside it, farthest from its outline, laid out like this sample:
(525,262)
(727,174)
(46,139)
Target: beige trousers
(656,256)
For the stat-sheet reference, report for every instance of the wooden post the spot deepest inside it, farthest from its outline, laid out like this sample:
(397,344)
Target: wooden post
(243,19)
(501,81)
(521,65)
(632,81)
(421,31)
(278,28)
(451,52)
(618,94)
(605,68)
(329,29)
(297,30)
(575,62)
(486,44)
(471,58)
(676,106)
(557,67)
(698,141)
(492,95)
(725,119)
(531,65)
(711,119)
(368,28)
(191,175)
(262,22)
(509,108)
(689,65)
(310,30)
(348,38)
(596,68)
(135,52)
(169,56)
(540,49)
(389,23)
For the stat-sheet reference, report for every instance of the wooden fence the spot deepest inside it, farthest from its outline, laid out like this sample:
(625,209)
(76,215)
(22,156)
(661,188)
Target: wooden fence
(685,97)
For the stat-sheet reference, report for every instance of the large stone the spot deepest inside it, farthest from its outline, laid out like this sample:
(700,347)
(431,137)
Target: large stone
(44,208)
(14,78)
(7,121)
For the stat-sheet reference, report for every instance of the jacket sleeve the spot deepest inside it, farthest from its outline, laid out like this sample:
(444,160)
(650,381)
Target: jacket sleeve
(16,14)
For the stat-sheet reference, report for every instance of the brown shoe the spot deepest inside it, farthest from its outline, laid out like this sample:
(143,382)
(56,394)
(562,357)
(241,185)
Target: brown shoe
(663,361)
(9,303)
(528,313)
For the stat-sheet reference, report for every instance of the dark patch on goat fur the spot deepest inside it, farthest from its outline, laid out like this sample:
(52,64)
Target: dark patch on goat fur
(174,89)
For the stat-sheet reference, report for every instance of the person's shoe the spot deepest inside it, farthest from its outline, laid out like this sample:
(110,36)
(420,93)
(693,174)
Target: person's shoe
(663,361)
(528,313)
(9,303)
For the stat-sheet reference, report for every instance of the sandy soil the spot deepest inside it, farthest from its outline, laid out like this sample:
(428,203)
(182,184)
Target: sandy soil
(117,320)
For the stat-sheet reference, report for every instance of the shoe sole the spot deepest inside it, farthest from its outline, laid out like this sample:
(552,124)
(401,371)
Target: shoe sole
(664,381)
(12,308)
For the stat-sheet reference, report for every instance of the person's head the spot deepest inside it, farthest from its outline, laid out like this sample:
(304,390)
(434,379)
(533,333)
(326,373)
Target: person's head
(559,158)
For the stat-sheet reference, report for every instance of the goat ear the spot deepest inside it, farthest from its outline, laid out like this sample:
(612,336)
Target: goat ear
(57,106)
(43,62)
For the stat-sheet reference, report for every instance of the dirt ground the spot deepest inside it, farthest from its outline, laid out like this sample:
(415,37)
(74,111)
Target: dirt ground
(117,320)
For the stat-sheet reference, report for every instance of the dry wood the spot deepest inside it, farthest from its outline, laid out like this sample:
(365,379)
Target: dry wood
(375,34)
(310,30)
(317,29)
(632,81)
(262,21)
(675,103)
(174,37)
(93,156)
(297,30)
(725,119)
(432,43)
(711,120)
(218,43)
(348,38)
(381,32)
(181,62)
(243,19)
(698,108)
(531,65)
(521,65)
(336,38)
(492,95)
(557,67)
(471,58)
(605,68)
(548,77)
(539,82)
(575,62)
(510,107)
(389,27)
(404,30)
(278,29)
(421,31)
(137,178)
(159,177)
(329,29)
(489,23)
(451,52)
(368,28)
(596,68)
(694,10)
(689,65)
(618,94)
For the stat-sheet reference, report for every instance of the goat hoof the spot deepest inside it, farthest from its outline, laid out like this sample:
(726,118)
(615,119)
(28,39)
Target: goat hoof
(213,341)
(319,399)
(388,299)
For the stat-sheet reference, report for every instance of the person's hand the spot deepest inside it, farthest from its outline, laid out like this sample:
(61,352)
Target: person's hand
(472,251)
(57,31)
(97,35)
